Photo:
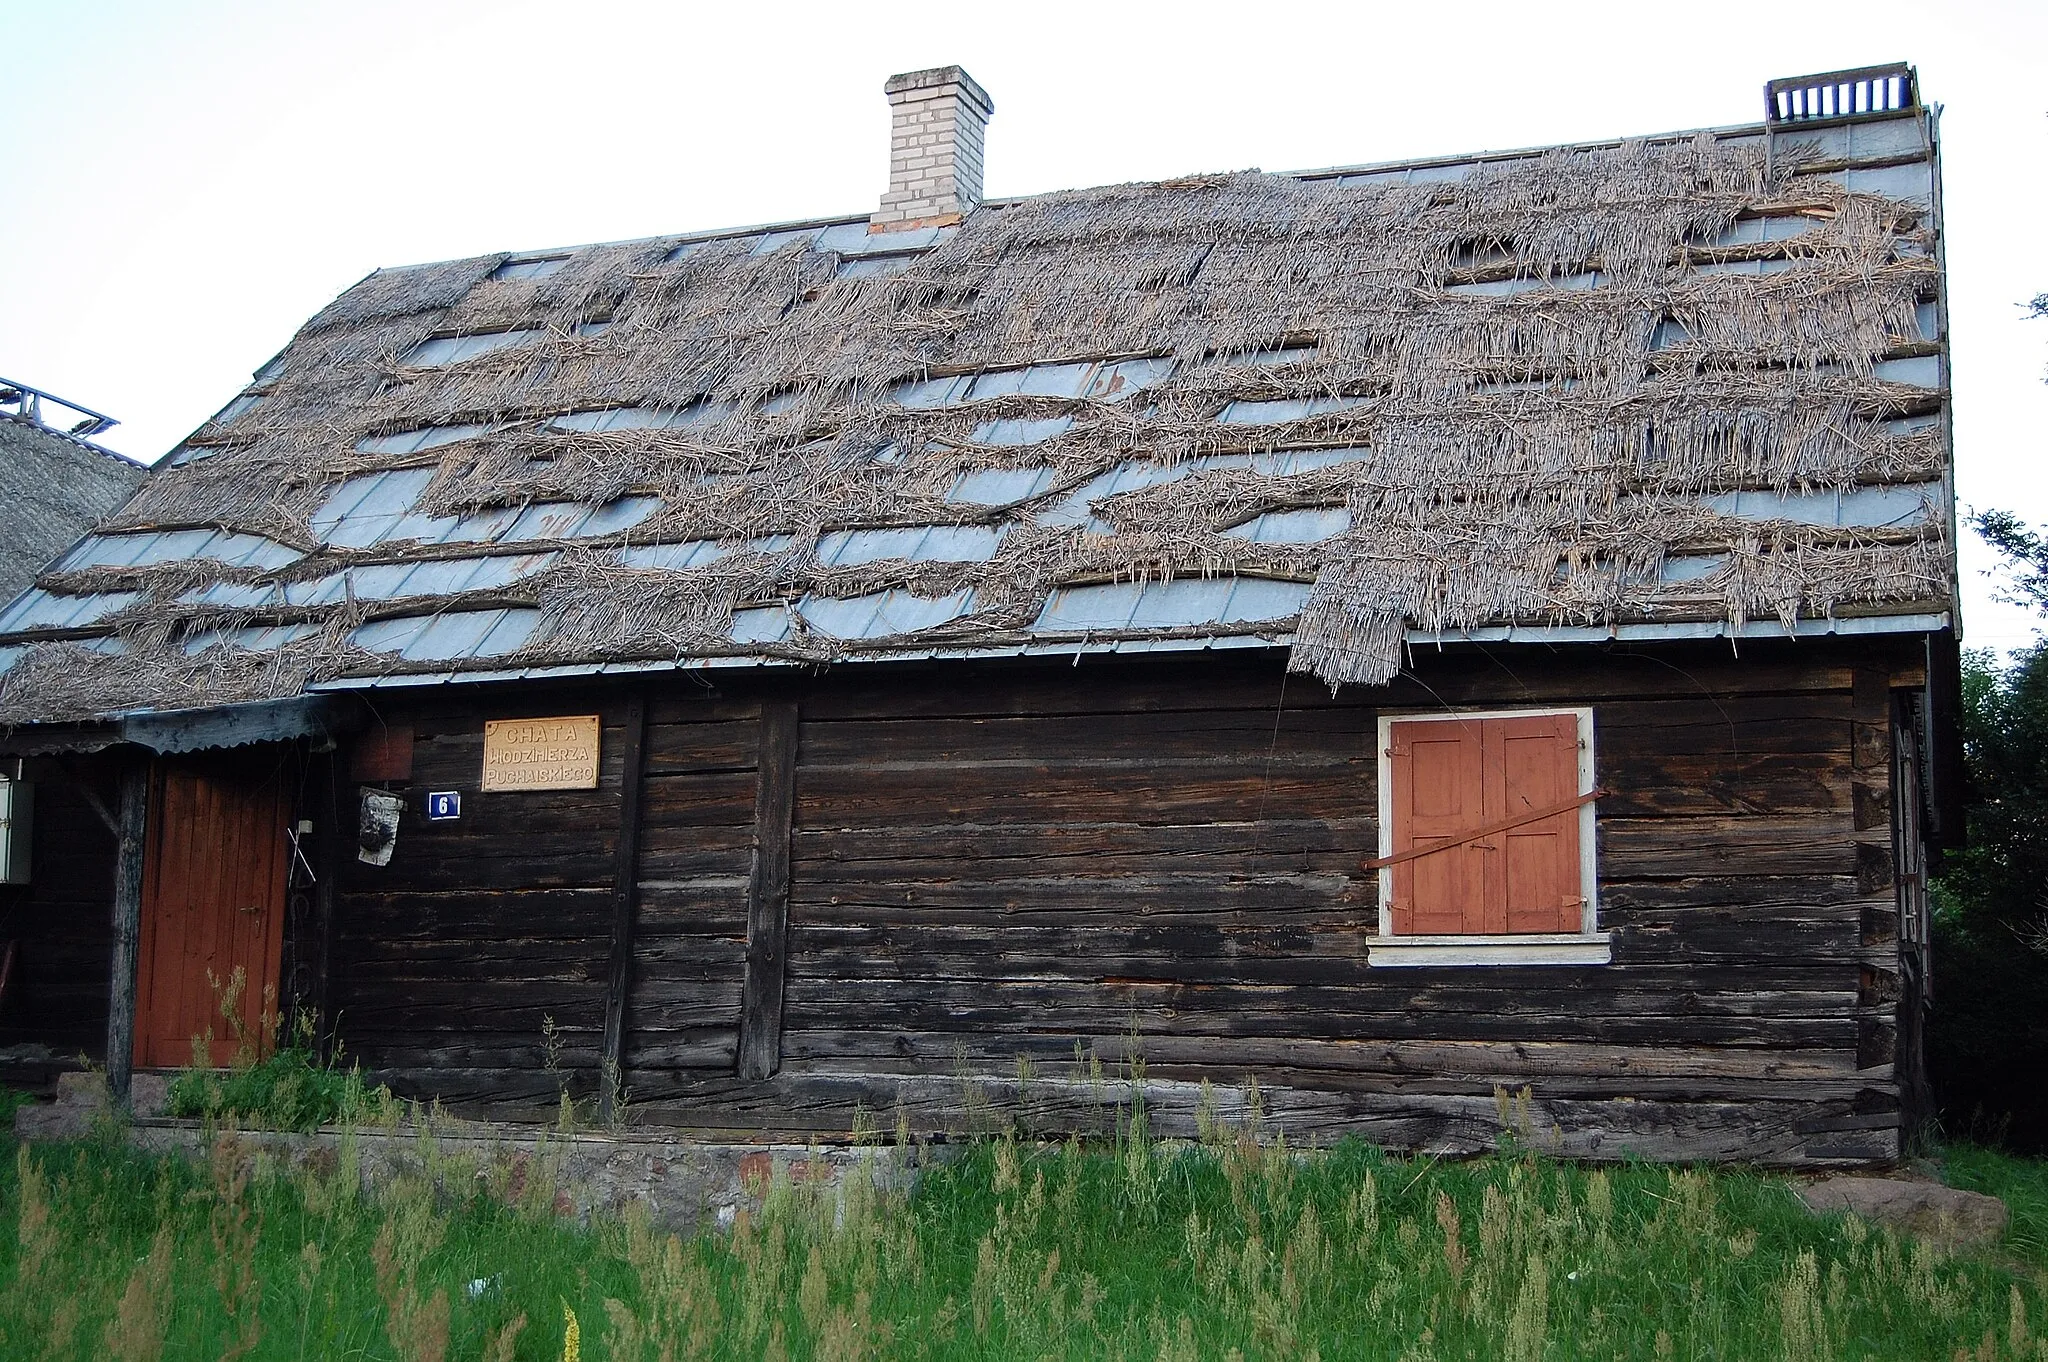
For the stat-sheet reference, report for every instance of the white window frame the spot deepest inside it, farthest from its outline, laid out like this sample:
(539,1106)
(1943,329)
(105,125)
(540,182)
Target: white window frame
(1588,946)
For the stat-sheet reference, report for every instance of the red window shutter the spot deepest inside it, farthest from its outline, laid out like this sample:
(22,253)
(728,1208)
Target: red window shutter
(1439,792)
(1450,776)
(1537,864)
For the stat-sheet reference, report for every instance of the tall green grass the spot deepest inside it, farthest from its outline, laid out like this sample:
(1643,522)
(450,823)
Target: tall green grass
(1237,1247)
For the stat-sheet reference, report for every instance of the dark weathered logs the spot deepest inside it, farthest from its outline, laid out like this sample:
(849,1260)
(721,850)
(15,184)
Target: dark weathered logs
(768,895)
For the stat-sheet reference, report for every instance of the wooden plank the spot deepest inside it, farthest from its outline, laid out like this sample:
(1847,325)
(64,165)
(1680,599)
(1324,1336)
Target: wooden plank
(1694,726)
(1180,892)
(625,891)
(760,1050)
(429,958)
(1231,1013)
(1046,792)
(1313,737)
(128,859)
(1767,844)
(470,914)
(712,799)
(1682,785)
(679,748)
(1482,1060)
(1085,843)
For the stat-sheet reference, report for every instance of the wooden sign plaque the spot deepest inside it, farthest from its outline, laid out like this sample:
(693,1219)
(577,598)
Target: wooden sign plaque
(541,754)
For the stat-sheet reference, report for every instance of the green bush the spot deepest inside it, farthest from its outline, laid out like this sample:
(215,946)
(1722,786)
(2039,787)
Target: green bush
(291,1090)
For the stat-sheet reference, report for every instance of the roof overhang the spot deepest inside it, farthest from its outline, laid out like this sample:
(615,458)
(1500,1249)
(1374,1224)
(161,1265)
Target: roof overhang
(318,718)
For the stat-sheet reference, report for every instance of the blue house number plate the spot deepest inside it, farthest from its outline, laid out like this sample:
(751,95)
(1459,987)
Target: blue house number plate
(443,805)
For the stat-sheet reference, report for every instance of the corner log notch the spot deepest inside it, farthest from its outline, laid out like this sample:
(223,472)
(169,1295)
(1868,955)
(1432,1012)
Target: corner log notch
(760,1046)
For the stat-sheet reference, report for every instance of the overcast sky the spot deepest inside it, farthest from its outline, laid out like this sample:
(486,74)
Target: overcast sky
(185,184)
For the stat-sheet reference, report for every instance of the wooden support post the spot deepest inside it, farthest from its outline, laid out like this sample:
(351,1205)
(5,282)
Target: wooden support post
(625,900)
(334,829)
(133,832)
(760,1049)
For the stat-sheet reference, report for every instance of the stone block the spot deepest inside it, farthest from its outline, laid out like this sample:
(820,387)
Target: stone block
(1929,1210)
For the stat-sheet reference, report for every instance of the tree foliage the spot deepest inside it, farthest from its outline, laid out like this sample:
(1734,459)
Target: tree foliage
(2025,551)
(1988,1033)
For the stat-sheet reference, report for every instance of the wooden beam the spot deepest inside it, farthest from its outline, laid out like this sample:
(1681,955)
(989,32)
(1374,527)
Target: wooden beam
(760,1046)
(132,832)
(625,900)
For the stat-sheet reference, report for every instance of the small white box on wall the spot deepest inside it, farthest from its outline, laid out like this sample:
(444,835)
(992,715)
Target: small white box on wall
(17,828)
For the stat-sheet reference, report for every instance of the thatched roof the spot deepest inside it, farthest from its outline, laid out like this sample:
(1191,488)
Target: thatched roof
(1679,382)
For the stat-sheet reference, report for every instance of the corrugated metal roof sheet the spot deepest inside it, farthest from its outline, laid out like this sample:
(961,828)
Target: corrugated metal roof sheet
(1184,602)
(1310,526)
(176,546)
(1691,567)
(1014,431)
(451,636)
(40,609)
(916,543)
(1284,409)
(672,557)
(440,350)
(999,486)
(1096,380)
(1871,507)
(255,638)
(1077,507)
(883,614)
(644,418)
(538,268)
(761,624)
(364,510)
(413,441)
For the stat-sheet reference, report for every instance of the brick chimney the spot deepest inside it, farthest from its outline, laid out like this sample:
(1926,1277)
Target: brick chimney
(934,149)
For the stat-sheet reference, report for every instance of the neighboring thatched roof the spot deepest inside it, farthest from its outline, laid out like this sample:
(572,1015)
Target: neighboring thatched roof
(1557,388)
(53,488)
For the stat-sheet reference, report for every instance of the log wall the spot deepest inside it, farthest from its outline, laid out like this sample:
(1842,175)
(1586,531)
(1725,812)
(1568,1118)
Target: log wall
(998,882)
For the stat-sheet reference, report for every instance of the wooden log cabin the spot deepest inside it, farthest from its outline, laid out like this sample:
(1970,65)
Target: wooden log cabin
(1381,637)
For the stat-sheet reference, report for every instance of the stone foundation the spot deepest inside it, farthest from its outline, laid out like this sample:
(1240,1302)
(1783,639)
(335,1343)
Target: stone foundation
(681,1184)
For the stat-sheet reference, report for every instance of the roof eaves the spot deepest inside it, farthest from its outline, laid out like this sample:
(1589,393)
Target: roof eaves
(1677,631)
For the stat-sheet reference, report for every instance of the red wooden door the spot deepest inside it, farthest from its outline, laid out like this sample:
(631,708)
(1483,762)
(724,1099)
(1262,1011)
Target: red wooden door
(1451,776)
(213,897)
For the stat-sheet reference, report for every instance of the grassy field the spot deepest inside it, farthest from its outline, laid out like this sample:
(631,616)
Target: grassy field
(1237,1248)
